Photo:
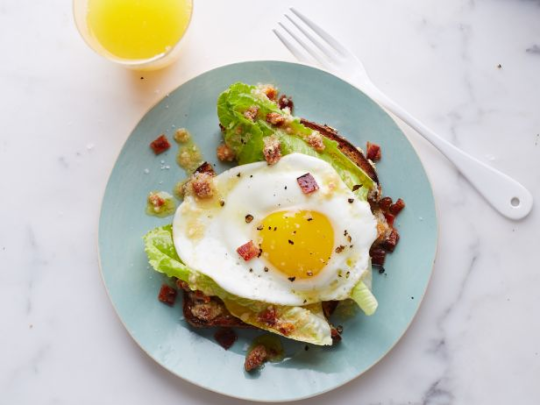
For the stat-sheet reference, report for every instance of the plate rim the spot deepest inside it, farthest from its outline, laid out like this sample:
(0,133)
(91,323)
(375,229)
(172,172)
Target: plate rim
(420,301)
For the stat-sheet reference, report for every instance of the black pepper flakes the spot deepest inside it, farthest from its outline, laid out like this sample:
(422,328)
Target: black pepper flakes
(249,218)
(291,242)
(251,270)
(266,269)
(291,279)
(356,187)
(310,219)
(350,200)
(239,174)
(340,249)
(381,269)
(222,203)
(260,228)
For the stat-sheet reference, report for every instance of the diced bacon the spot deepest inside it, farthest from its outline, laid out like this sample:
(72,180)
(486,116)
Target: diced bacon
(251,113)
(225,337)
(385,203)
(286,102)
(225,153)
(160,144)
(390,219)
(156,200)
(256,357)
(378,255)
(373,152)
(275,119)
(183,285)
(391,241)
(248,251)
(335,333)
(397,207)
(270,91)
(206,168)
(202,185)
(286,328)
(272,150)
(307,183)
(167,295)
(202,297)
(315,140)
(268,316)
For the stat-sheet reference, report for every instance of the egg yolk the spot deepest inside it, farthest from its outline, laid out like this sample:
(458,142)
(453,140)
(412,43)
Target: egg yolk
(299,243)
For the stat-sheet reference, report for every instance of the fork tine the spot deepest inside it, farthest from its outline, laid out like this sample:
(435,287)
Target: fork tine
(327,52)
(330,40)
(307,48)
(292,49)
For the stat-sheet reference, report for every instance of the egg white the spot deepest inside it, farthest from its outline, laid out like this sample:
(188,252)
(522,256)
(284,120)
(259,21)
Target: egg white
(207,234)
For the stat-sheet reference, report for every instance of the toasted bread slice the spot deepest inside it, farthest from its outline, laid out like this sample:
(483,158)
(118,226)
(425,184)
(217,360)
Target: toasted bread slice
(345,146)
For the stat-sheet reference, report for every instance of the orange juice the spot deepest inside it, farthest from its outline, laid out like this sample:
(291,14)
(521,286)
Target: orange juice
(137,29)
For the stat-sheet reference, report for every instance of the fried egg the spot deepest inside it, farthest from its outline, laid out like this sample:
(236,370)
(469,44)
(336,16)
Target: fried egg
(313,247)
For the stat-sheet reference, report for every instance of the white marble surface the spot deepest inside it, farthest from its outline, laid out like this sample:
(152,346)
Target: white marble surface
(65,114)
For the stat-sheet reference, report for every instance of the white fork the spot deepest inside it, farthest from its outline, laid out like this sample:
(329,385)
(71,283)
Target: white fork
(504,194)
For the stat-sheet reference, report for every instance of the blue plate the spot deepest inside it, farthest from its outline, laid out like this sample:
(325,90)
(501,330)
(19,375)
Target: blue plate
(193,354)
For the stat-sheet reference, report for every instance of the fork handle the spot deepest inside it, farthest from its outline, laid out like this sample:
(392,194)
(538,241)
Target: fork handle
(504,194)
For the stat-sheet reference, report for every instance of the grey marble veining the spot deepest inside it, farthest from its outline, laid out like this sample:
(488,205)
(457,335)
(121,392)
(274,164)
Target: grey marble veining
(468,69)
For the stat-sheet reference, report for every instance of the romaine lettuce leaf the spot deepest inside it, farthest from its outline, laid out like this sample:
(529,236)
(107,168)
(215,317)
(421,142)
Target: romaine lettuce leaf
(245,136)
(306,324)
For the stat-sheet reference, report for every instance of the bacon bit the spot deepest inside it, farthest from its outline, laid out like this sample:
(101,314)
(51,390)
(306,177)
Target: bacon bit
(183,285)
(248,251)
(275,119)
(270,91)
(160,144)
(286,328)
(268,316)
(378,255)
(256,358)
(390,219)
(206,167)
(225,337)
(272,150)
(391,241)
(251,113)
(249,218)
(156,200)
(336,333)
(397,207)
(225,153)
(286,102)
(203,185)
(385,203)
(307,183)
(373,152)
(340,249)
(202,297)
(167,295)
(315,141)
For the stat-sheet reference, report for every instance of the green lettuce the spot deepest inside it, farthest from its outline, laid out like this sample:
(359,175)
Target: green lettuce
(306,323)
(245,136)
